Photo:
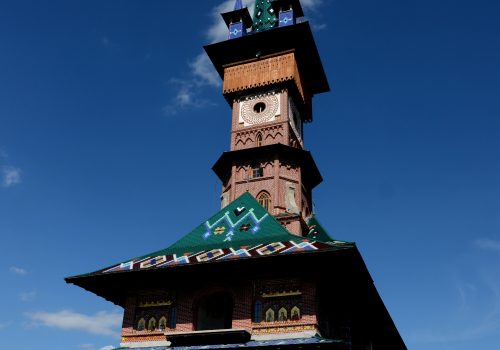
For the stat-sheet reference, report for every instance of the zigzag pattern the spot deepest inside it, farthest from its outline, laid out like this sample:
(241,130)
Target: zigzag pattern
(226,218)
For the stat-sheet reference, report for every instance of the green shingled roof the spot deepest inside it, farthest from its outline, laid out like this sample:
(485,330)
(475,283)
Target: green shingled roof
(263,16)
(243,229)
(244,222)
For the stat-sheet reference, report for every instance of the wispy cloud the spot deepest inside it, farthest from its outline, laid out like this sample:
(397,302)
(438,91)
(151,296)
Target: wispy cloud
(105,41)
(11,176)
(202,74)
(103,323)
(186,96)
(27,296)
(476,315)
(4,325)
(18,270)
(311,4)
(488,244)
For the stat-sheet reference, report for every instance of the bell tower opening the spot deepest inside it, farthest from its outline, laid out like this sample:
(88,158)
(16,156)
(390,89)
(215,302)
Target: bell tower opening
(214,311)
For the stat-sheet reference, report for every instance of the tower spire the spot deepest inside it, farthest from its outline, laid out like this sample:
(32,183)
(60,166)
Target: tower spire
(238,5)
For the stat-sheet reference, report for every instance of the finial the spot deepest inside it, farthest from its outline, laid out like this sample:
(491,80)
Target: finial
(238,20)
(288,11)
(238,5)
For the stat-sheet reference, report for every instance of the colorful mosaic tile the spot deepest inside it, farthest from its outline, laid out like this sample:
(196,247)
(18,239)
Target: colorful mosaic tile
(215,253)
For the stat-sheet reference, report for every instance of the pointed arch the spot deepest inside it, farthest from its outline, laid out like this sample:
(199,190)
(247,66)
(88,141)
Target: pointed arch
(282,315)
(162,324)
(258,139)
(152,324)
(295,313)
(141,325)
(270,315)
(264,199)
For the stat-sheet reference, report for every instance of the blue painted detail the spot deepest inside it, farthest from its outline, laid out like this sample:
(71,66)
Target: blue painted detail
(257,311)
(173,318)
(229,223)
(286,18)
(235,30)
(229,236)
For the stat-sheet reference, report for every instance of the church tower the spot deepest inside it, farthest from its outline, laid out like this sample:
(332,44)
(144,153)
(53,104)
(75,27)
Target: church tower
(269,79)
(262,272)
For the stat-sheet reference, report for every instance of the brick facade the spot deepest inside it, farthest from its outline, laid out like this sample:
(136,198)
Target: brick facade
(244,295)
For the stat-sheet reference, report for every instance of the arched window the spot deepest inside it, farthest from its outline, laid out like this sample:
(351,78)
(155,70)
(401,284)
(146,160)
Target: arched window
(141,325)
(258,140)
(270,315)
(257,311)
(163,323)
(152,324)
(295,313)
(264,199)
(215,311)
(282,315)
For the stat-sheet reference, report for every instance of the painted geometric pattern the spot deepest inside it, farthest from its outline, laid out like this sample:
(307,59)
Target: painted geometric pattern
(247,223)
(263,16)
(242,230)
(219,254)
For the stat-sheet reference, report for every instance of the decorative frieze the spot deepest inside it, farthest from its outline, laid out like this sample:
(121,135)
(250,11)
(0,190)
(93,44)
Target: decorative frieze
(264,72)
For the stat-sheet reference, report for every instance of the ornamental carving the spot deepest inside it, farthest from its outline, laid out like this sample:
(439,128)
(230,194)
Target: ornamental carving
(259,110)
(263,72)
(248,138)
(277,301)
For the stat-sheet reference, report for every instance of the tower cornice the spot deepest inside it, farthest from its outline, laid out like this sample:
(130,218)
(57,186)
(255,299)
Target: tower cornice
(296,38)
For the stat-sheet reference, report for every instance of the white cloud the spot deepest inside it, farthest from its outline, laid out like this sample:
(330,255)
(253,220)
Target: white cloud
(18,270)
(488,244)
(107,347)
(318,27)
(10,176)
(27,296)
(186,97)
(310,4)
(202,72)
(4,325)
(202,68)
(103,322)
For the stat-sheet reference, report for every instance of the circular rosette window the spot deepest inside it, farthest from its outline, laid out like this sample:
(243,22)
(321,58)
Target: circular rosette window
(259,110)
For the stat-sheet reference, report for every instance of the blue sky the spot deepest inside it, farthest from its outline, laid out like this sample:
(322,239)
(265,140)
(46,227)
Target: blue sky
(111,118)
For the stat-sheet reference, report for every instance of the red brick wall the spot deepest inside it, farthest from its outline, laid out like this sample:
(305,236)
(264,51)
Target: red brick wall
(243,301)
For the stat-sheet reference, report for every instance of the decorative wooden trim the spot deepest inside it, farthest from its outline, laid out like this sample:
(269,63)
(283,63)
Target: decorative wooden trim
(261,73)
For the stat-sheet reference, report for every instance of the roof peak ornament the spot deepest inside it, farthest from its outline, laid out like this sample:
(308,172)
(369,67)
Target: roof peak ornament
(238,20)
(238,5)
